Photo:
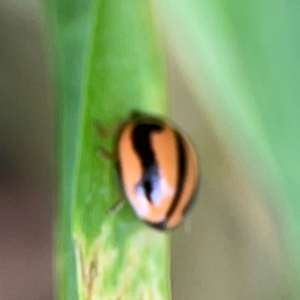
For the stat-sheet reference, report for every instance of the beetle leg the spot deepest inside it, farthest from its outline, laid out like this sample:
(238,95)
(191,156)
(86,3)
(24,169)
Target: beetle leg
(101,130)
(117,205)
(105,131)
(107,154)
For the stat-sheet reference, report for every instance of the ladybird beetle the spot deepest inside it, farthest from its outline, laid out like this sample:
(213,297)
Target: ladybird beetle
(157,168)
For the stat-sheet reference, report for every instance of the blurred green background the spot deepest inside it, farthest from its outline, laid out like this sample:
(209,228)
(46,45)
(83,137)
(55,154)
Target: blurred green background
(233,74)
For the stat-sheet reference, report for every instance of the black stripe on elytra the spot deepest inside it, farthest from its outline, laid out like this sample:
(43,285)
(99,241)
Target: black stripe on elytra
(142,145)
(181,171)
(159,226)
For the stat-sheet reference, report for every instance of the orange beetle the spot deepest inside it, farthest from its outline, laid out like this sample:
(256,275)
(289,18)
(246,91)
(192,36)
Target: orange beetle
(157,168)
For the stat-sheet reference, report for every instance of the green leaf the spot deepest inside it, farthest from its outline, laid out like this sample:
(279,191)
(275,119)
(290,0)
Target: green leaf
(68,23)
(107,63)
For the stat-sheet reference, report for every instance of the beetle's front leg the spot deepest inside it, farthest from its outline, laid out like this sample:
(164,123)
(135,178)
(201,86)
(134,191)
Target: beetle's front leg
(108,155)
(106,131)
